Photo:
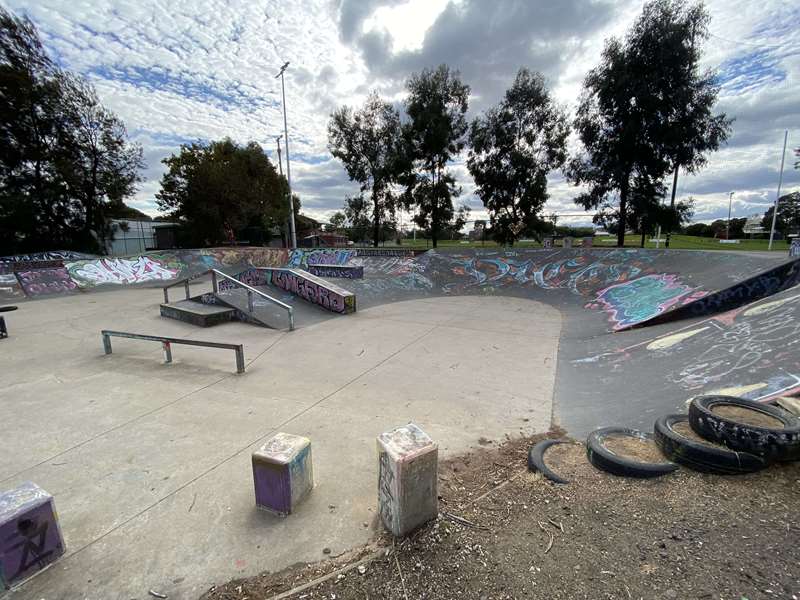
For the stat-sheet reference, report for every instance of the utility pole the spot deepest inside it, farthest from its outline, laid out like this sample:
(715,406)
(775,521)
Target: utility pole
(778,197)
(288,169)
(728,226)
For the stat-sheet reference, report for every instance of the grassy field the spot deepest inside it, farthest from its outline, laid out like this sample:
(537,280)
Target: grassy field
(677,242)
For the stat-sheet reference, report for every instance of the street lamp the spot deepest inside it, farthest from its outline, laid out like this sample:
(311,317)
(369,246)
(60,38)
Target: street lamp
(288,169)
(728,231)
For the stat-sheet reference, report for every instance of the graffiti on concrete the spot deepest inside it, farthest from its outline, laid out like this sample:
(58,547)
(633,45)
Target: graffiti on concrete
(315,290)
(725,354)
(337,271)
(61,255)
(46,282)
(319,256)
(383,252)
(9,286)
(228,257)
(121,271)
(643,298)
(251,277)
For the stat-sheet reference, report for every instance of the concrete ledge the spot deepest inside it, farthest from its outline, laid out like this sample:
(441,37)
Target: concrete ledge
(197,313)
(314,289)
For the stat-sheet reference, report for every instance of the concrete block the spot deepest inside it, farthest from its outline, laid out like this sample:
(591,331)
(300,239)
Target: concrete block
(282,473)
(407,479)
(30,537)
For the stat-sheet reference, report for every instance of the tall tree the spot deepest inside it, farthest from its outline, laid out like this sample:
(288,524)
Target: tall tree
(436,132)
(668,37)
(369,143)
(103,167)
(219,188)
(646,107)
(63,156)
(512,149)
(788,219)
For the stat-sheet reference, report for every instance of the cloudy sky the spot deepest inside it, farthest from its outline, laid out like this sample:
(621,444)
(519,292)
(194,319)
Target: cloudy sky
(180,70)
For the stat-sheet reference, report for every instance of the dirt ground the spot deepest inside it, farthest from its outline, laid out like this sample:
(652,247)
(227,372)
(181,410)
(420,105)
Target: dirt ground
(505,533)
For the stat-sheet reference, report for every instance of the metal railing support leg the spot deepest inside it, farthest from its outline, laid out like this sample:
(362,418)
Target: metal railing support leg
(166,296)
(239,359)
(291,319)
(250,302)
(167,352)
(107,343)
(214,282)
(186,285)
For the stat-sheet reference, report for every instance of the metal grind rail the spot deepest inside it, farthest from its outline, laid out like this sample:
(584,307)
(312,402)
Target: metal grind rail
(251,292)
(166,343)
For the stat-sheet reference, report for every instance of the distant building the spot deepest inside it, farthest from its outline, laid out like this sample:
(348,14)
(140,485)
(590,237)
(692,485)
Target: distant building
(133,236)
(325,239)
(753,225)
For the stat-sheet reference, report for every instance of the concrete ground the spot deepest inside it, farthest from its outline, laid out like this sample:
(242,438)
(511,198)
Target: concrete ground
(150,463)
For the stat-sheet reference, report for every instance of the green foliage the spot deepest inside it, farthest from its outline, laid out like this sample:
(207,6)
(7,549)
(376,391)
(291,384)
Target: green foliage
(337,221)
(436,132)
(369,143)
(217,189)
(63,157)
(788,219)
(512,149)
(646,107)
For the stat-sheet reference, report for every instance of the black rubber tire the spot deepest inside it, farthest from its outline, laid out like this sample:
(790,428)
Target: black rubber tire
(699,456)
(773,444)
(602,458)
(536,460)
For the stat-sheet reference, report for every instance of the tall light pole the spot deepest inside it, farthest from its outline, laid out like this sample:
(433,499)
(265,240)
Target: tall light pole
(778,197)
(728,229)
(288,169)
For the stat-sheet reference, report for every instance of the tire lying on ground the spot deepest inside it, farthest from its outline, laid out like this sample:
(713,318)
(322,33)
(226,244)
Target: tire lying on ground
(757,428)
(701,455)
(536,460)
(604,458)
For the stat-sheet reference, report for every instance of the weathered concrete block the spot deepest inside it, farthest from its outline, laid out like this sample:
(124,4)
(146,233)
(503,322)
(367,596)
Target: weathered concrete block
(282,473)
(30,537)
(407,476)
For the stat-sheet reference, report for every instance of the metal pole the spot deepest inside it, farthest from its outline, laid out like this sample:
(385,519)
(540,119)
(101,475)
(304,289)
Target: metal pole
(107,343)
(288,168)
(728,227)
(672,201)
(778,197)
(239,350)
(167,352)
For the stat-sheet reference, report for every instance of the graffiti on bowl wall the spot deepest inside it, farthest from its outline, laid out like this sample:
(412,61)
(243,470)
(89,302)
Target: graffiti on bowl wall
(121,271)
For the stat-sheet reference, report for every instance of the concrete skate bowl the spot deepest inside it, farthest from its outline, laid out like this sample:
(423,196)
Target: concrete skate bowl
(643,331)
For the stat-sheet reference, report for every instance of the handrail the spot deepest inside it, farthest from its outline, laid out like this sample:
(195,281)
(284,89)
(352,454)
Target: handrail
(250,291)
(166,343)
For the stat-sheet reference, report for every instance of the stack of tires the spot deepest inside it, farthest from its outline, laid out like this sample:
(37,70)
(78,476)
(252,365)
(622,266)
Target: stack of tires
(745,436)
(721,434)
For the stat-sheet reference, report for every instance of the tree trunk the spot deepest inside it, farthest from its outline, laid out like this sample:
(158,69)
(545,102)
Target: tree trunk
(623,210)
(644,234)
(672,201)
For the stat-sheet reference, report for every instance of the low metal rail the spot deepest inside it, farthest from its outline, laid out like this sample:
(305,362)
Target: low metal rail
(166,344)
(251,292)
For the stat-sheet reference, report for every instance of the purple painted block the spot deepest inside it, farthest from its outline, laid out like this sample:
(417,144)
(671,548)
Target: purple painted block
(30,537)
(282,473)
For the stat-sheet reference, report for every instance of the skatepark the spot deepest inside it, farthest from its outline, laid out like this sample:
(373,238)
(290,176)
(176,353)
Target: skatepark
(149,462)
